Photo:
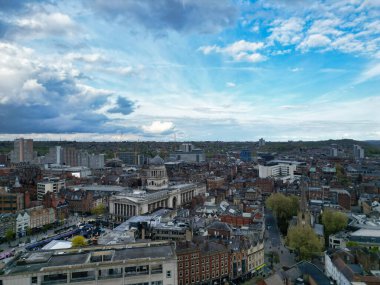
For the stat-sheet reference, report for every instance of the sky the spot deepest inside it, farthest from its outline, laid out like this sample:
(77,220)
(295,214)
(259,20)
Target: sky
(185,70)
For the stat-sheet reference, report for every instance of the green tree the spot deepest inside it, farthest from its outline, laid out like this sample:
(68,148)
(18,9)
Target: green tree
(78,241)
(98,210)
(29,231)
(284,208)
(304,241)
(10,235)
(333,222)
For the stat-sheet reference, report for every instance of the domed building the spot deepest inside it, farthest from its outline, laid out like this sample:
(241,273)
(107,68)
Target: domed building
(156,176)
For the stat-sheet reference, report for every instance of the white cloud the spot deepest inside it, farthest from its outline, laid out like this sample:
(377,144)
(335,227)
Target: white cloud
(325,27)
(240,51)
(230,84)
(44,24)
(313,41)
(158,127)
(286,31)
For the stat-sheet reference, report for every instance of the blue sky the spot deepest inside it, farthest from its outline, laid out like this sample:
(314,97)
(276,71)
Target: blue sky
(190,70)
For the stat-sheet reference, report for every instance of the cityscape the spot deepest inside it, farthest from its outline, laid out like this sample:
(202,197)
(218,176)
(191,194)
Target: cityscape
(190,142)
(190,213)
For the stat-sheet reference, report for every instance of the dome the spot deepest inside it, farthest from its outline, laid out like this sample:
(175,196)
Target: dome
(157,160)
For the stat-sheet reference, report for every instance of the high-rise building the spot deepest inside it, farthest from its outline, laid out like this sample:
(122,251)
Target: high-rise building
(23,150)
(70,156)
(358,152)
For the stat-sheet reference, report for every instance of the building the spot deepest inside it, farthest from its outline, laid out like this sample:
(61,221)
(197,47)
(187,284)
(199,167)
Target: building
(202,262)
(22,151)
(246,155)
(8,223)
(358,152)
(22,224)
(138,202)
(70,156)
(277,170)
(96,161)
(55,155)
(261,142)
(188,153)
(11,202)
(141,263)
(79,201)
(49,185)
(131,158)
(40,217)
(342,266)
(156,177)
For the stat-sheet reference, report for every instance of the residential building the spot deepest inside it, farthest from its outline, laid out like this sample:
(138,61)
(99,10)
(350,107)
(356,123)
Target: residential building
(140,263)
(358,152)
(343,268)
(22,151)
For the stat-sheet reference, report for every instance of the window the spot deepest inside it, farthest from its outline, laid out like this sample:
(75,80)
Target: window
(168,274)
(34,280)
(156,282)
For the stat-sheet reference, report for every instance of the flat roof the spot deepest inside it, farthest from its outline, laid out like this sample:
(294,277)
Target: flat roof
(367,232)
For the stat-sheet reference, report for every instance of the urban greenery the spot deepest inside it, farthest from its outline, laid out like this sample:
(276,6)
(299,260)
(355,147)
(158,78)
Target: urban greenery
(78,241)
(304,242)
(284,208)
(333,222)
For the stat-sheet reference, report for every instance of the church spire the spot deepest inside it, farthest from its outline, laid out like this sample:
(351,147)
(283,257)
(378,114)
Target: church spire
(303,202)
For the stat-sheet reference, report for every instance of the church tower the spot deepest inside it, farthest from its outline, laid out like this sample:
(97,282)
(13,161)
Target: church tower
(303,216)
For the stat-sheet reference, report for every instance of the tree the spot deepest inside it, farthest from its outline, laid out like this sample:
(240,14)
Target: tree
(304,241)
(98,210)
(333,222)
(284,208)
(10,235)
(78,241)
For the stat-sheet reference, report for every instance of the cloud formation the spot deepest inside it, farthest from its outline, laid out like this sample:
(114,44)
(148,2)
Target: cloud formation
(206,16)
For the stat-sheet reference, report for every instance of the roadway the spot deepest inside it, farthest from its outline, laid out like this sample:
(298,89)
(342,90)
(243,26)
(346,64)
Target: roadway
(274,242)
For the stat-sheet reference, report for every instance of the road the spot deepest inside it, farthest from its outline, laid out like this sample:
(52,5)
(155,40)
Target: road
(274,242)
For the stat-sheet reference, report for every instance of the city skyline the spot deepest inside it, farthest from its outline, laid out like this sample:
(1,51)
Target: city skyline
(189,70)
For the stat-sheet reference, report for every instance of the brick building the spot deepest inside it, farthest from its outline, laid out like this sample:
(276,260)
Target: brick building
(204,262)
(11,202)
(40,216)
(79,201)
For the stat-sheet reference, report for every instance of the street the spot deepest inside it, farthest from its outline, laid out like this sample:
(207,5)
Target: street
(274,242)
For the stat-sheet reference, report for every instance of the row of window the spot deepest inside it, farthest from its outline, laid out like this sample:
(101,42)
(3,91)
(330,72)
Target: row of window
(204,259)
(223,271)
(203,278)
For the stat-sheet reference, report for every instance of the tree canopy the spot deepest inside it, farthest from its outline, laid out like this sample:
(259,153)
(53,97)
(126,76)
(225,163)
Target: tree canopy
(10,235)
(98,210)
(333,222)
(284,208)
(78,241)
(304,241)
